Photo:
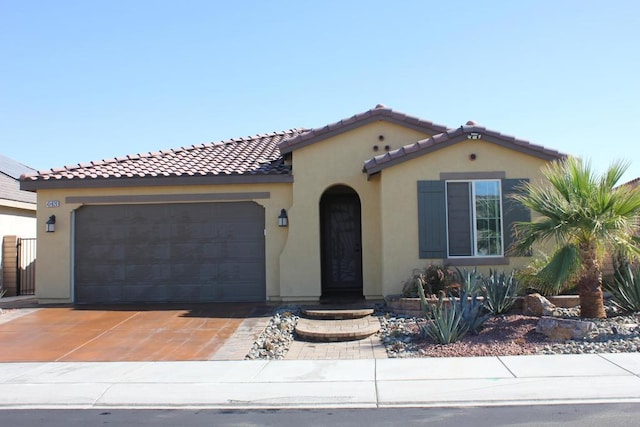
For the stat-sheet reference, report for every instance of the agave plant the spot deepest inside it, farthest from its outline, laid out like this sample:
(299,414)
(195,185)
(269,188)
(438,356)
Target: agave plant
(470,281)
(499,291)
(472,310)
(626,288)
(446,324)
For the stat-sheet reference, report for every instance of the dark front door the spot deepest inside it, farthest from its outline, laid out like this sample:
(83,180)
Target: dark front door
(341,242)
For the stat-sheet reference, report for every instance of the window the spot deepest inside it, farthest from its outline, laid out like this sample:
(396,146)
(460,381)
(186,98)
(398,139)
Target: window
(468,218)
(474,218)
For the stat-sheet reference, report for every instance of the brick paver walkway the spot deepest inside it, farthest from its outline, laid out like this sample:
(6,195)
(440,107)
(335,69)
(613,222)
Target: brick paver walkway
(368,348)
(238,345)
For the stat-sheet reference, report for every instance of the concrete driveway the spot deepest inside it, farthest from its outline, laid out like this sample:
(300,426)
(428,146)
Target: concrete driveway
(123,333)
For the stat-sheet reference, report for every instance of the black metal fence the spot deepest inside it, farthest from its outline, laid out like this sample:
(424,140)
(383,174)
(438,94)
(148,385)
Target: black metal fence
(26,278)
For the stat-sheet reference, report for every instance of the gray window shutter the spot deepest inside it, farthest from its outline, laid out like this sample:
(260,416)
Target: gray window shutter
(512,211)
(459,219)
(432,219)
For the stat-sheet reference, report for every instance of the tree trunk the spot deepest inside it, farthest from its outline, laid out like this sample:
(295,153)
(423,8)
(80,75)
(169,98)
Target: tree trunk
(590,283)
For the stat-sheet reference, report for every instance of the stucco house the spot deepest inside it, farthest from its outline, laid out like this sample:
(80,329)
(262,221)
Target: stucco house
(17,207)
(17,218)
(347,209)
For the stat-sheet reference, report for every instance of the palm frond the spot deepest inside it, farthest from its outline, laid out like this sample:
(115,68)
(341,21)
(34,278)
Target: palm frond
(561,268)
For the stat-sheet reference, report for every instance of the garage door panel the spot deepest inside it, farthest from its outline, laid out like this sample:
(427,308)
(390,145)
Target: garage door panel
(143,253)
(146,292)
(100,252)
(100,293)
(239,292)
(170,253)
(194,273)
(99,273)
(135,273)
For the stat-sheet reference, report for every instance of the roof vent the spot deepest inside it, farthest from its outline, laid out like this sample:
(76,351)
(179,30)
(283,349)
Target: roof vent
(472,123)
(380,106)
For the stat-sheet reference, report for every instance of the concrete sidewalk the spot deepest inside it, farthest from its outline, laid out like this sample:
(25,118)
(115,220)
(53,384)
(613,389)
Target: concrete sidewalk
(435,382)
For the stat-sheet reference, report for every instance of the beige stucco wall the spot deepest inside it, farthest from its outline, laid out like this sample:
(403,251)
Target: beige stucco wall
(54,252)
(337,160)
(293,266)
(399,202)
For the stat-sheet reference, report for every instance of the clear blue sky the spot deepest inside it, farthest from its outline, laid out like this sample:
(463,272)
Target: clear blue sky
(85,80)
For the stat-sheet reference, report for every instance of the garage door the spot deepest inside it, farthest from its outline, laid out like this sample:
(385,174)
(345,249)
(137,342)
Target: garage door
(191,252)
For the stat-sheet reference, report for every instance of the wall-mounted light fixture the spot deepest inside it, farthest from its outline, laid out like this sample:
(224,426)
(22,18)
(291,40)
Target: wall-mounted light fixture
(50,225)
(474,135)
(283,219)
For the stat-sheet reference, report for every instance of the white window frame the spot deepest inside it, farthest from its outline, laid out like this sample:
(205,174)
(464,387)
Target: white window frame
(473,225)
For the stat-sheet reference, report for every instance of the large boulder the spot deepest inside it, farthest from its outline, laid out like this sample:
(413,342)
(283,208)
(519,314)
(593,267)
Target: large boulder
(557,329)
(537,305)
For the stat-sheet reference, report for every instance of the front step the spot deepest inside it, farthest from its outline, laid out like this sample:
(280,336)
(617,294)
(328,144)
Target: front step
(336,314)
(337,330)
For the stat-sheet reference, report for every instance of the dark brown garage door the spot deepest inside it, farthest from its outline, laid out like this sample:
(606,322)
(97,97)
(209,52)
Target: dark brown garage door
(191,252)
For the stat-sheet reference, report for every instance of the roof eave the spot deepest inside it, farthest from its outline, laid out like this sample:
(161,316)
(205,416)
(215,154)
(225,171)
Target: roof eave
(371,116)
(53,183)
(403,154)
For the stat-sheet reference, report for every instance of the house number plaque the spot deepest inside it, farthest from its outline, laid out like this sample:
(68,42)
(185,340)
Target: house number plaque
(53,203)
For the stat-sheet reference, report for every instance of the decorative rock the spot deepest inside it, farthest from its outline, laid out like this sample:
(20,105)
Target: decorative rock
(537,305)
(564,329)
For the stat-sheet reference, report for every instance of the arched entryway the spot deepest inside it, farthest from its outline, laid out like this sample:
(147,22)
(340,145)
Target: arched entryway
(341,243)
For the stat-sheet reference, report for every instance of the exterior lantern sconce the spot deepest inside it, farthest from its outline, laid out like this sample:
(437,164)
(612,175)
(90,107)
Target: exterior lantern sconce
(474,135)
(283,219)
(50,225)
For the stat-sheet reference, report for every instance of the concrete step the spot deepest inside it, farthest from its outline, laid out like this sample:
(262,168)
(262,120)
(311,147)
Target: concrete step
(337,330)
(336,313)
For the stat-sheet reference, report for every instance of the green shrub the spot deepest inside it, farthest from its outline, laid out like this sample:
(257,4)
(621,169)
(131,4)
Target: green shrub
(499,291)
(625,290)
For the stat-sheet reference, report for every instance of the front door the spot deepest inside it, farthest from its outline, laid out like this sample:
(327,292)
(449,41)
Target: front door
(341,242)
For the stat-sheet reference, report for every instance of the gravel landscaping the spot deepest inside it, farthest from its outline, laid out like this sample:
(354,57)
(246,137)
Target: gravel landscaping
(511,334)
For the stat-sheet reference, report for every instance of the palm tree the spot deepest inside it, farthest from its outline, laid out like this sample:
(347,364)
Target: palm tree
(587,216)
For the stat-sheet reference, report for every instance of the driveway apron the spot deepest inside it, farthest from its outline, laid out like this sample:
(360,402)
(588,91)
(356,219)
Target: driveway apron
(102,334)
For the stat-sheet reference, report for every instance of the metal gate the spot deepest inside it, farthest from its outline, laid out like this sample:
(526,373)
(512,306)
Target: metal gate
(26,278)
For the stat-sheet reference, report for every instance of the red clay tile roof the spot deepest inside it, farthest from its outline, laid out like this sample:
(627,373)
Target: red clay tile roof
(256,155)
(452,136)
(260,157)
(380,112)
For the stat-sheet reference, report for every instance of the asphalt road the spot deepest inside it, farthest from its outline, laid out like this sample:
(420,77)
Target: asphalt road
(565,415)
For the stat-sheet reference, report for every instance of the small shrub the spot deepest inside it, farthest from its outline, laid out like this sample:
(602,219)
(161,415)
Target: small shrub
(499,291)
(433,279)
(625,290)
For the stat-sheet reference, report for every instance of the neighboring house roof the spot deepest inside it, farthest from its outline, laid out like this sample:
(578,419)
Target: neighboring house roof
(256,158)
(380,113)
(10,172)
(633,183)
(469,131)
